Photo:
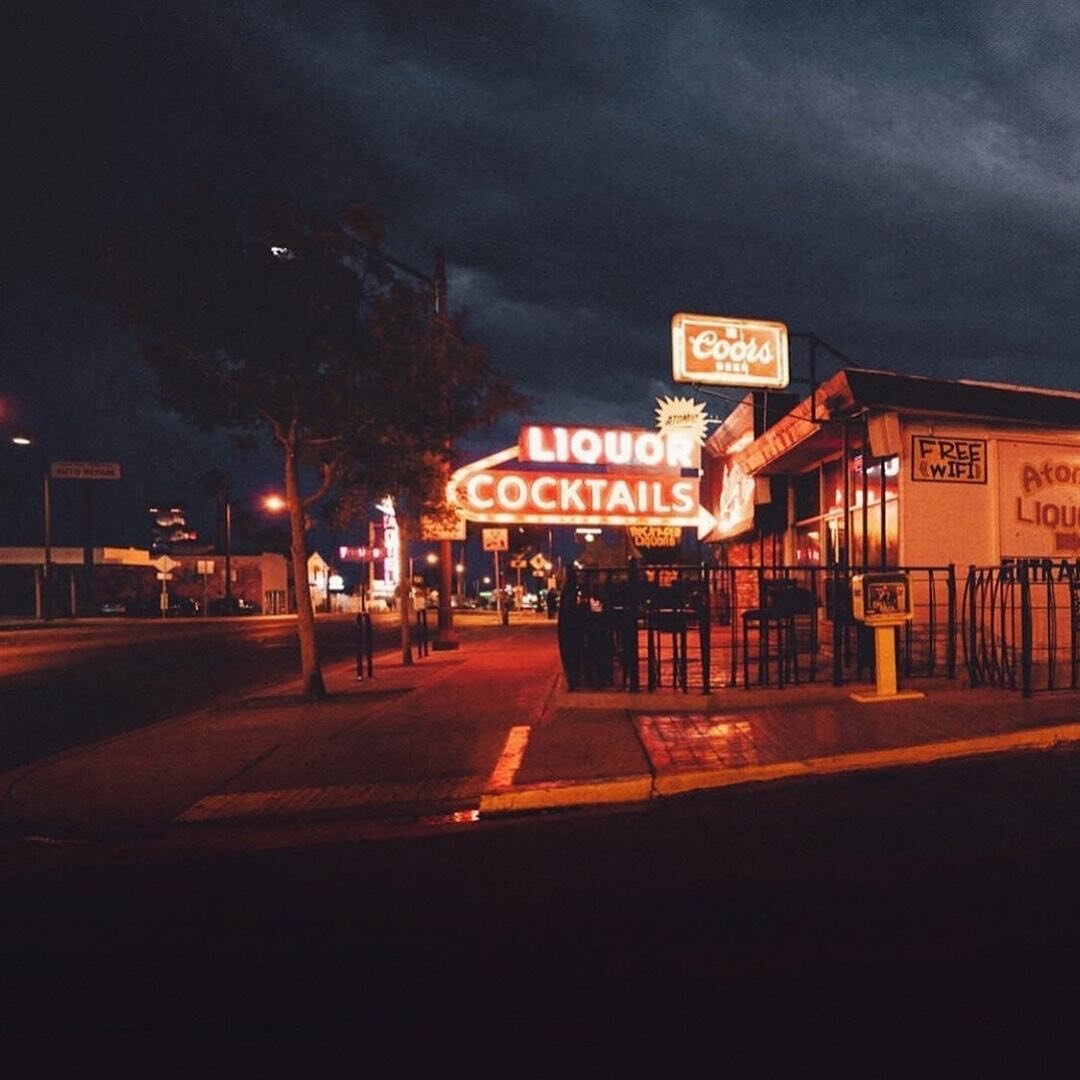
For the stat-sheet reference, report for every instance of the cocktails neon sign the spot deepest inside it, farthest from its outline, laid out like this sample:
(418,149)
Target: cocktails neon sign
(561,475)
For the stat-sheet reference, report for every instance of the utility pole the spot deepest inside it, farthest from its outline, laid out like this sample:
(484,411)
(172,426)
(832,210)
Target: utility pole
(444,635)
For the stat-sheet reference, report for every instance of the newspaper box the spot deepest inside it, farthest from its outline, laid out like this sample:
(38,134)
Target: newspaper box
(883,601)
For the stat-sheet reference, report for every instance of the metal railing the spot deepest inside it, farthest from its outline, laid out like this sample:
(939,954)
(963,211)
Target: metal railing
(818,635)
(1021,625)
(702,627)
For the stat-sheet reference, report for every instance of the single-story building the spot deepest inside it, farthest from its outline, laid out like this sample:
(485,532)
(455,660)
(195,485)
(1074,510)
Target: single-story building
(103,580)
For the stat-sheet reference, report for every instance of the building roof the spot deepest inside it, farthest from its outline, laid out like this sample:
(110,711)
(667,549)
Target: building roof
(815,427)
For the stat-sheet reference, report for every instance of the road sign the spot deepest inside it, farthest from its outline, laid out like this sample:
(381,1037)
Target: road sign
(496,539)
(85,470)
(165,564)
(444,523)
(538,562)
(361,553)
(517,562)
(163,576)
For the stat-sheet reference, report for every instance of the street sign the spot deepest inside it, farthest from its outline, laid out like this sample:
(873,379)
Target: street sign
(163,576)
(538,562)
(205,566)
(496,539)
(85,470)
(361,553)
(517,562)
(444,523)
(165,564)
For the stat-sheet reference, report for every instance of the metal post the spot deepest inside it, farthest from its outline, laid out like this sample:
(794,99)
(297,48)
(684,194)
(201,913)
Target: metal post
(500,600)
(364,646)
(1025,629)
(228,557)
(46,584)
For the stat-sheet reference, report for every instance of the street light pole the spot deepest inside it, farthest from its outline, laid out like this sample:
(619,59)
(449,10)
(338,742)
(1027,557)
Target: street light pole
(228,556)
(46,503)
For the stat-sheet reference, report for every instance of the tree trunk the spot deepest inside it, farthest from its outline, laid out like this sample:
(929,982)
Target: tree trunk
(406,590)
(311,678)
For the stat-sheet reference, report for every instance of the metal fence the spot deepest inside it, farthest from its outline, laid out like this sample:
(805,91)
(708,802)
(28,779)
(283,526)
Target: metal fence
(1021,625)
(702,627)
(775,625)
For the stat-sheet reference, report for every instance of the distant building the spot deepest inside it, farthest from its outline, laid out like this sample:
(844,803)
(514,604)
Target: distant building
(124,580)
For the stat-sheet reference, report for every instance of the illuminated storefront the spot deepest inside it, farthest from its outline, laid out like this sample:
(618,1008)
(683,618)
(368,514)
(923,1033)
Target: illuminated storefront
(880,469)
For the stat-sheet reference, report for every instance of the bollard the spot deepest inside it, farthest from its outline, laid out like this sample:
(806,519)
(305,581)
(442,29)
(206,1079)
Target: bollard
(365,646)
(421,632)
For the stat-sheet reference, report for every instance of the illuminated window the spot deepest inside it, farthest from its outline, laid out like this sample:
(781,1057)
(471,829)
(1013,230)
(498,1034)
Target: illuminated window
(820,534)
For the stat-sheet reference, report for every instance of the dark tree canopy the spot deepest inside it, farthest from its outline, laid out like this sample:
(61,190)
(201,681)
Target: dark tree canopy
(301,327)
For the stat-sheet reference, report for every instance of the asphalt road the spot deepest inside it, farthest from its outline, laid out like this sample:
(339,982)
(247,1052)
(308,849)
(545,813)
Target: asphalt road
(930,911)
(68,684)
(938,900)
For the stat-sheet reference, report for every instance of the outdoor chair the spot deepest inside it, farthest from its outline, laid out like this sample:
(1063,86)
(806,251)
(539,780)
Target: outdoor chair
(775,625)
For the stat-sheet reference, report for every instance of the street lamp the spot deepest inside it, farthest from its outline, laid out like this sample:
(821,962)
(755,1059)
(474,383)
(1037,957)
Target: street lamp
(45,609)
(228,556)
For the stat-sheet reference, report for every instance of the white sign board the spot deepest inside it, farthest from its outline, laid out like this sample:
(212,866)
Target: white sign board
(496,539)
(85,470)
(447,523)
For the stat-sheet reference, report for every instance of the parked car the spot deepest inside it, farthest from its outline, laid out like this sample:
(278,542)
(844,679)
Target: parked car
(237,605)
(179,607)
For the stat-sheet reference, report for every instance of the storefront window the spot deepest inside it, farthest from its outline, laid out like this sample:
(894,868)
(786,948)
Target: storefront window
(820,533)
(807,488)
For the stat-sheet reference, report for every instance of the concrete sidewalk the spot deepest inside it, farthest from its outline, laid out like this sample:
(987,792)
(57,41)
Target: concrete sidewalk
(491,729)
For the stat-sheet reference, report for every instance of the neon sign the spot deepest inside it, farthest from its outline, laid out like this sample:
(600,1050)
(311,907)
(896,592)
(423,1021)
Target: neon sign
(729,352)
(585,476)
(673,449)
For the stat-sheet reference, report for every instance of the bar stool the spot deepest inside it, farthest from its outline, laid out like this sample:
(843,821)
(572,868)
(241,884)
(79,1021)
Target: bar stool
(774,623)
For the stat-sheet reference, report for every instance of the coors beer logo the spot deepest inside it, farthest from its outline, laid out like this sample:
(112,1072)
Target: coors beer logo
(729,352)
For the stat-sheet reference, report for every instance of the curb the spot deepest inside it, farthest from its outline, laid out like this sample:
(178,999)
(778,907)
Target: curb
(562,795)
(644,788)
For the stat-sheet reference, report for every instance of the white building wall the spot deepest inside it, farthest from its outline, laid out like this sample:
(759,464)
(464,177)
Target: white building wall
(1021,499)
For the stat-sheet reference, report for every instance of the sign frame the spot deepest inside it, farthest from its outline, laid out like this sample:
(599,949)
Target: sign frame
(496,539)
(882,599)
(738,346)
(85,470)
(507,488)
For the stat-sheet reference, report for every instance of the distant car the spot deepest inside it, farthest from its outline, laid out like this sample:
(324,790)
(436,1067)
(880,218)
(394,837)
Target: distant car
(237,605)
(182,606)
(114,607)
(179,607)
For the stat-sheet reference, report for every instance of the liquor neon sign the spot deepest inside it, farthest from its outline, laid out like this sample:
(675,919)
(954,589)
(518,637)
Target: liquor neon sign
(585,476)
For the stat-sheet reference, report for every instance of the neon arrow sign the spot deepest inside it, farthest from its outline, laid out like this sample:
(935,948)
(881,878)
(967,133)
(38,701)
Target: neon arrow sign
(585,476)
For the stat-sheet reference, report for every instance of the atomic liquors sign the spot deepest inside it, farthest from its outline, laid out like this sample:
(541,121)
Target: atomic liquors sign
(718,350)
(562,475)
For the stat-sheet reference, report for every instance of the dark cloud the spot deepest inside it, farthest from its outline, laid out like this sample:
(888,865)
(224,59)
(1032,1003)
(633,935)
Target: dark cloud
(898,178)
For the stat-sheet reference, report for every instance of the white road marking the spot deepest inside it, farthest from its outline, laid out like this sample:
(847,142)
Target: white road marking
(502,776)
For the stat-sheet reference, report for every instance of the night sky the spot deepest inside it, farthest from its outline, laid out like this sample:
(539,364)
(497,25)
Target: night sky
(899,179)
